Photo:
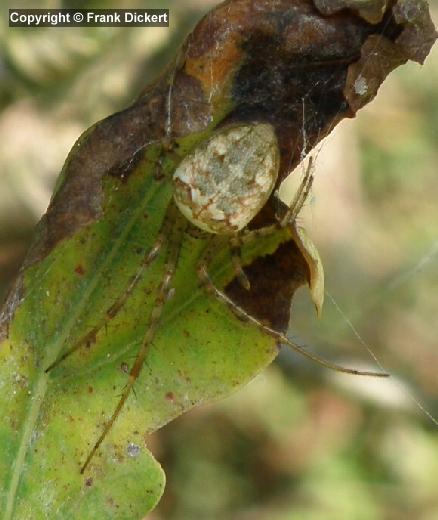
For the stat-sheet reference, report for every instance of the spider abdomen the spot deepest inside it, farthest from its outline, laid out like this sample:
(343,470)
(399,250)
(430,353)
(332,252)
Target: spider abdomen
(225,181)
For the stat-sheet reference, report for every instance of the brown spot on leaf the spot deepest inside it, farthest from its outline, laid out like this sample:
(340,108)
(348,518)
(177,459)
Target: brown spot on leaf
(79,270)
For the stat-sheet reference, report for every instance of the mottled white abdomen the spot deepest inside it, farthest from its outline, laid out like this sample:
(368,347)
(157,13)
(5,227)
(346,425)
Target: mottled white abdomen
(225,181)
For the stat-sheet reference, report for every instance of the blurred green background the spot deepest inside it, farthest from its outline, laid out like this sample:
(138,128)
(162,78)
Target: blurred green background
(299,442)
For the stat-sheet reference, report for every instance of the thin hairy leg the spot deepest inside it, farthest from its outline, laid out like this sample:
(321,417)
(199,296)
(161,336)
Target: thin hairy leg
(249,235)
(236,258)
(116,307)
(245,237)
(300,196)
(154,321)
(281,338)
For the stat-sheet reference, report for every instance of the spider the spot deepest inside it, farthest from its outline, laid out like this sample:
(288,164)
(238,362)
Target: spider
(218,189)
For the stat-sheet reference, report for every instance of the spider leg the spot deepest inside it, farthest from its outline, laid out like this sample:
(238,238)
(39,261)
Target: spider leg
(236,258)
(249,235)
(300,196)
(205,280)
(244,237)
(115,308)
(154,321)
(236,242)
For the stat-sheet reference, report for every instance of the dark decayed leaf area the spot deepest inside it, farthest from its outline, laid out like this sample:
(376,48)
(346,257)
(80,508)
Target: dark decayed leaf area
(298,65)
